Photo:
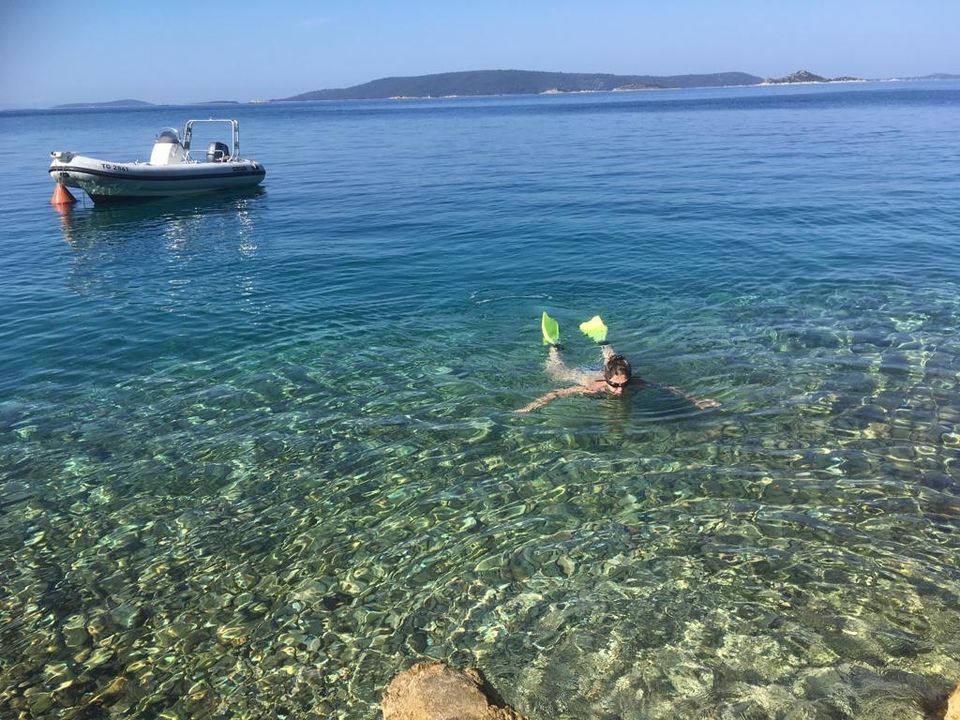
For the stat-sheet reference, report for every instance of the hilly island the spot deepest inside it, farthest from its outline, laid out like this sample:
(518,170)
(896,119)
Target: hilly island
(519,82)
(530,82)
(476,83)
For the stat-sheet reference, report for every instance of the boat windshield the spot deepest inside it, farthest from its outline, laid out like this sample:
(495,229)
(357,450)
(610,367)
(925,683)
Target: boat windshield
(168,135)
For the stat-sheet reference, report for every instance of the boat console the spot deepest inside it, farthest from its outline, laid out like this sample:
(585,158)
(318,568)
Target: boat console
(168,150)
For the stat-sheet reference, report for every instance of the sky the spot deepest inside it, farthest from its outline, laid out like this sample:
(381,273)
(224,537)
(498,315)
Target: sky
(61,51)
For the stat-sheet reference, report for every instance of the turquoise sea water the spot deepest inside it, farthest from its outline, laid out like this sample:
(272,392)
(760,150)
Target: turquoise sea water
(258,453)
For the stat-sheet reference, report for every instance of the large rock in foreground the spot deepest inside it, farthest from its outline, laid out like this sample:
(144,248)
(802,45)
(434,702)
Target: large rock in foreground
(434,691)
(953,705)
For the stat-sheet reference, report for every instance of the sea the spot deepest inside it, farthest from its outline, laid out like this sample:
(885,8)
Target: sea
(261,452)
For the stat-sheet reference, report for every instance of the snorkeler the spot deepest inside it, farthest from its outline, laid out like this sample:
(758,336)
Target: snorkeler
(616,376)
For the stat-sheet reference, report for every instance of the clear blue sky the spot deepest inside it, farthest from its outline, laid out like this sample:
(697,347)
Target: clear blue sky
(59,51)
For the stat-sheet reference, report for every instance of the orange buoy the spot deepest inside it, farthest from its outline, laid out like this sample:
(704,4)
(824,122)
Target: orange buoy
(62,196)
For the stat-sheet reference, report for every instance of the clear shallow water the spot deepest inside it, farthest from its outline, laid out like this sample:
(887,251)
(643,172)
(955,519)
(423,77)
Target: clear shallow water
(259,453)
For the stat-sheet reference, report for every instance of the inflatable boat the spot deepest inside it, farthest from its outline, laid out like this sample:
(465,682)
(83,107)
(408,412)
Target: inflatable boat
(170,172)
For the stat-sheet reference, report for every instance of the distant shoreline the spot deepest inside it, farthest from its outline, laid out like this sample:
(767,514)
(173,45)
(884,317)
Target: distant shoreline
(130,104)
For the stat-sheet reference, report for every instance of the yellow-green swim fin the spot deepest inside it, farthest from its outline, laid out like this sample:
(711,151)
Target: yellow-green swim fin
(550,328)
(594,329)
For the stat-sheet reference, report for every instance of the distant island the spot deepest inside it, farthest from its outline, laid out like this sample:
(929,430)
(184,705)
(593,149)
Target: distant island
(518,82)
(805,76)
(131,104)
(521,82)
(934,76)
(110,104)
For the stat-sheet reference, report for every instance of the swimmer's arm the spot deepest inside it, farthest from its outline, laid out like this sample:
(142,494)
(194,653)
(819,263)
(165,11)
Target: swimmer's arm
(554,394)
(699,403)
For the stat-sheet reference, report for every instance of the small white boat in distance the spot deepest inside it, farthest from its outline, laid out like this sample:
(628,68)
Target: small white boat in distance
(171,172)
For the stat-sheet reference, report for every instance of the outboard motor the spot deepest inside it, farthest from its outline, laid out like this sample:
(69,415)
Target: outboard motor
(217,152)
(167,150)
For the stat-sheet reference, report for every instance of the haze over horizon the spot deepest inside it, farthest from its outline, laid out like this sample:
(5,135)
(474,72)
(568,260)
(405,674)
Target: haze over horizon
(55,52)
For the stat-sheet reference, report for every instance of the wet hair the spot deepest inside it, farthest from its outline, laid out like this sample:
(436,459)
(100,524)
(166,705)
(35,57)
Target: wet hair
(616,365)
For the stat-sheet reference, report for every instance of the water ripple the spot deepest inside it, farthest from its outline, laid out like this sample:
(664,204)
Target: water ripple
(259,452)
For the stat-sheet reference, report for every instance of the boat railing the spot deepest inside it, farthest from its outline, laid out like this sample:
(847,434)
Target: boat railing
(235,135)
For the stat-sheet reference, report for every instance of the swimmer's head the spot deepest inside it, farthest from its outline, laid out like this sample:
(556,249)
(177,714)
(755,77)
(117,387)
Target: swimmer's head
(617,373)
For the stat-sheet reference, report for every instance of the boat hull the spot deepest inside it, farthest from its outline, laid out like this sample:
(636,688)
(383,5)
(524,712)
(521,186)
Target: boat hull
(107,182)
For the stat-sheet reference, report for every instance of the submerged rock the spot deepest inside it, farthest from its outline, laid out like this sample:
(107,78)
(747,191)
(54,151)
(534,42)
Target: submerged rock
(434,691)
